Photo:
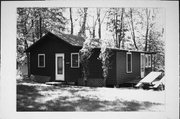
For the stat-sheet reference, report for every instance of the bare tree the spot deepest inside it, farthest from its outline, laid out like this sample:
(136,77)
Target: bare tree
(71,19)
(121,29)
(122,34)
(94,26)
(115,23)
(40,26)
(115,26)
(83,27)
(147,28)
(95,23)
(99,21)
(132,28)
(26,32)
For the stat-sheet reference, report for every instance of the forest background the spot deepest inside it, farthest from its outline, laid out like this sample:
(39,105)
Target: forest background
(140,29)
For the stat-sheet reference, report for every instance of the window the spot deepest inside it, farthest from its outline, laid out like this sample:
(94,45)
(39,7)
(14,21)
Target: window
(129,62)
(41,60)
(74,60)
(148,60)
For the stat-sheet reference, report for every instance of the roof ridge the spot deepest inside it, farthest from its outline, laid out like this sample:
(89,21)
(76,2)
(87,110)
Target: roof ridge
(70,38)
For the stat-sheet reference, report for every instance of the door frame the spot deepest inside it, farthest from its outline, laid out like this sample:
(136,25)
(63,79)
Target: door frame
(142,65)
(59,77)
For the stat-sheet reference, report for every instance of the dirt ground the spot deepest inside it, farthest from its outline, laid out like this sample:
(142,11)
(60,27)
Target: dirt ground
(42,97)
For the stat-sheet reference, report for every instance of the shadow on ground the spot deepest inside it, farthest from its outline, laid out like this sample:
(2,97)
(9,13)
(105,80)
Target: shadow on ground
(27,96)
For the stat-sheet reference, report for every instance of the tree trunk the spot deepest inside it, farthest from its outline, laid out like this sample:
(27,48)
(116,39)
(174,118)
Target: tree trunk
(27,55)
(146,39)
(71,19)
(99,21)
(40,29)
(121,27)
(133,32)
(147,30)
(94,26)
(26,45)
(82,30)
(116,29)
(33,32)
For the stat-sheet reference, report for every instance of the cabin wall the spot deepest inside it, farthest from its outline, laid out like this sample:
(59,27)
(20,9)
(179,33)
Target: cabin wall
(111,80)
(50,46)
(121,74)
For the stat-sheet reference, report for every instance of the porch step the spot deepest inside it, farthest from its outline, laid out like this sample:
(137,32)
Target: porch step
(60,83)
(55,83)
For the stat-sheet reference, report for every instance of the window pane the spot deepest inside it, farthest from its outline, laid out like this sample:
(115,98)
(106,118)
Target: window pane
(75,60)
(41,60)
(146,60)
(59,65)
(149,60)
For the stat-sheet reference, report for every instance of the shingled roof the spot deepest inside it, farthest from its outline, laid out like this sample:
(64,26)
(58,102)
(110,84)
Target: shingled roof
(68,38)
(77,41)
(71,39)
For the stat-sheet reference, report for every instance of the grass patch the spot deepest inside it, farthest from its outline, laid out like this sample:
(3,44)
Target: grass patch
(41,97)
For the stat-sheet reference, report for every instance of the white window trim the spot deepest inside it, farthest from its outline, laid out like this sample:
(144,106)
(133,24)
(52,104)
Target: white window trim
(44,60)
(127,62)
(71,60)
(149,60)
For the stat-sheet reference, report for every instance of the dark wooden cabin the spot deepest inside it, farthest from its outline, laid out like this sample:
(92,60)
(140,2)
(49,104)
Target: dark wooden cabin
(57,55)
(126,66)
(52,54)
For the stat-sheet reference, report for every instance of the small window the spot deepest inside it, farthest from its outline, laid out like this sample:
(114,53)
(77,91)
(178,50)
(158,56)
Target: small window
(146,60)
(149,60)
(41,60)
(129,62)
(74,60)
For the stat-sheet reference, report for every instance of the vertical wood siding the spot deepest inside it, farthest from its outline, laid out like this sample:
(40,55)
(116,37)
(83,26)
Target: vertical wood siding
(50,46)
(121,74)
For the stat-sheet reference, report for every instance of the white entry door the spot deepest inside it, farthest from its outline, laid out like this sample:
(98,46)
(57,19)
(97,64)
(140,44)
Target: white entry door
(59,65)
(142,65)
